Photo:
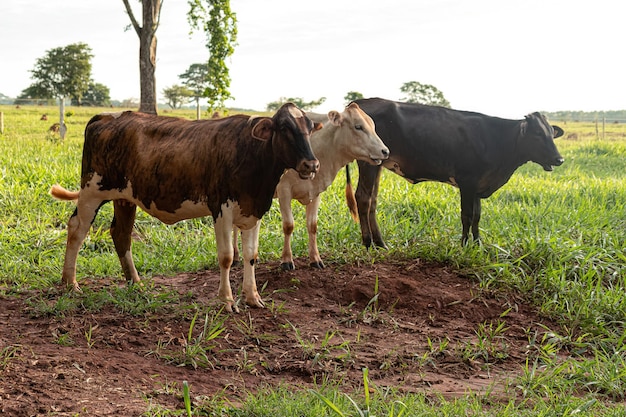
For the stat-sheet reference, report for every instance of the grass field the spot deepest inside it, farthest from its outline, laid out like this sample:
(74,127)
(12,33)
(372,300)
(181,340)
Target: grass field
(558,238)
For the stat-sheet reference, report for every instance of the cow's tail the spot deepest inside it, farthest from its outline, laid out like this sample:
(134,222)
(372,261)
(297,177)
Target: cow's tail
(350,200)
(61,193)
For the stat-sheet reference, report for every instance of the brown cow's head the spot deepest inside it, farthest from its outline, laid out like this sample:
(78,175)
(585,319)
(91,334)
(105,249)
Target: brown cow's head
(538,141)
(290,131)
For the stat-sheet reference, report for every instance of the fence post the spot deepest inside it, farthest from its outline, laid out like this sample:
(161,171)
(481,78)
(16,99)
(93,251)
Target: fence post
(1,123)
(62,127)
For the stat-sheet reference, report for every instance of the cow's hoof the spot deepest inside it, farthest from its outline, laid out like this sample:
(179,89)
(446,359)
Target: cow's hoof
(255,301)
(72,287)
(231,306)
(380,244)
(318,265)
(288,266)
(136,285)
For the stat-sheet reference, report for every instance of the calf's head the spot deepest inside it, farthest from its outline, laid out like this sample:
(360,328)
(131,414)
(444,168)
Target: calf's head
(358,134)
(537,140)
(290,132)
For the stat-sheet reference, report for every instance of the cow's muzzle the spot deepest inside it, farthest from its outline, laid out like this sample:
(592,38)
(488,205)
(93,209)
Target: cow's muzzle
(384,154)
(307,169)
(557,162)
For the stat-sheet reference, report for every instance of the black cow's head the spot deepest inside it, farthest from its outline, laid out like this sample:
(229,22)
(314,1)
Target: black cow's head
(537,141)
(290,131)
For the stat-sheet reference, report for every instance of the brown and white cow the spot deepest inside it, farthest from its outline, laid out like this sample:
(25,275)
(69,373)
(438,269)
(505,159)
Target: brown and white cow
(176,169)
(345,137)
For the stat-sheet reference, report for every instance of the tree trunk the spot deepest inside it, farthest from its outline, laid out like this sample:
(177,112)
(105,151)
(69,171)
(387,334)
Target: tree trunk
(151,12)
(197,108)
(147,69)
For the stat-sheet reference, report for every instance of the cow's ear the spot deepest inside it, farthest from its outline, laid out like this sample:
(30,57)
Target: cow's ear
(558,132)
(317,126)
(263,130)
(335,117)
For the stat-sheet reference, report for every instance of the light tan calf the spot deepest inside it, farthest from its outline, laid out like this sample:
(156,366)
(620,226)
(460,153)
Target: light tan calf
(345,137)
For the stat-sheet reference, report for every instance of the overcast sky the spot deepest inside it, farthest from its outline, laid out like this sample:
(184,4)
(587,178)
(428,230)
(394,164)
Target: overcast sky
(500,57)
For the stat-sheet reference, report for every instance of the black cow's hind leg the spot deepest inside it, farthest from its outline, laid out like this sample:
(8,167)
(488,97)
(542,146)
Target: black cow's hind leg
(121,230)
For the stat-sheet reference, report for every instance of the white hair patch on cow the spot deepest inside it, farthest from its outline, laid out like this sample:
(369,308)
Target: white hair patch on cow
(295,112)
(232,210)
(188,210)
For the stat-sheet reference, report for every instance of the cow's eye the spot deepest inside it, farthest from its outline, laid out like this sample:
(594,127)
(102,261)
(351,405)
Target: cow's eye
(358,127)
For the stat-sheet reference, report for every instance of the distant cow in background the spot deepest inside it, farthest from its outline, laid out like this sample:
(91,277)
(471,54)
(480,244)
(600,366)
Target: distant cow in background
(471,151)
(177,169)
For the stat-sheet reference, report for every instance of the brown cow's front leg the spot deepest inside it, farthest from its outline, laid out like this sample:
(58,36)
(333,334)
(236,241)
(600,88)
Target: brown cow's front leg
(235,246)
(121,230)
(366,196)
(250,249)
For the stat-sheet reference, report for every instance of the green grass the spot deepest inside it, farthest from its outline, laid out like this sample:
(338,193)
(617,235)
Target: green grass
(558,239)
(327,401)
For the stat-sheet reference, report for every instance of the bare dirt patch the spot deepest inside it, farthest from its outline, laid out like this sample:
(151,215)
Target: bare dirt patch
(419,335)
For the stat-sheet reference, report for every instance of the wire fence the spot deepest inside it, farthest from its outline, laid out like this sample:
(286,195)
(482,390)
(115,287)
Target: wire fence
(615,116)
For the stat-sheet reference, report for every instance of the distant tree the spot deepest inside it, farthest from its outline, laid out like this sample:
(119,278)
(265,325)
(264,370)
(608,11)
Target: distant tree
(97,95)
(351,96)
(176,95)
(424,94)
(196,79)
(34,92)
(298,101)
(64,72)
(219,24)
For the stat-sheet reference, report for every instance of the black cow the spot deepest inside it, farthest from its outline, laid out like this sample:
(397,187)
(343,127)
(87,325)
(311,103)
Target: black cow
(471,151)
